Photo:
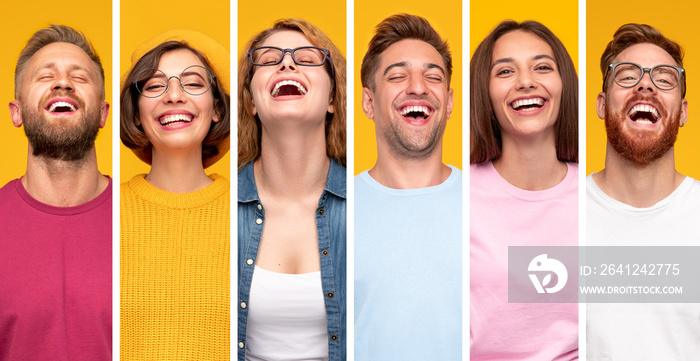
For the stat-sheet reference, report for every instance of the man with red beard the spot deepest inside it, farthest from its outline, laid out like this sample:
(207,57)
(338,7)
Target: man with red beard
(639,199)
(55,221)
(408,206)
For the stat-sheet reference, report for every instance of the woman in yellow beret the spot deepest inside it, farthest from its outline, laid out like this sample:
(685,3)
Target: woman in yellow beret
(175,236)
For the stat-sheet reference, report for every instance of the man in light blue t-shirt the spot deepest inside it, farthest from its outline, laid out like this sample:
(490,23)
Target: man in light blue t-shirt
(408,210)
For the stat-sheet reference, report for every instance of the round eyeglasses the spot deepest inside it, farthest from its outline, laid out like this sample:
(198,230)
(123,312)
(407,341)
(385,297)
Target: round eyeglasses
(304,56)
(664,77)
(194,80)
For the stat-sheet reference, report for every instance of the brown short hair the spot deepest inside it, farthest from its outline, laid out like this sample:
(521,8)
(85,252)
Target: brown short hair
(56,34)
(249,129)
(133,136)
(486,142)
(632,34)
(394,29)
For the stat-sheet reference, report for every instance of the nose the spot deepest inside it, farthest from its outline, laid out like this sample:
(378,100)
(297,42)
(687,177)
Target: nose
(417,85)
(174,93)
(63,81)
(525,81)
(645,84)
(287,62)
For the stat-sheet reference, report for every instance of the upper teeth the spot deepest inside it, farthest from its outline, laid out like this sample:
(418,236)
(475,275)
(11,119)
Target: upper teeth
(55,105)
(523,102)
(644,108)
(175,118)
(415,109)
(276,89)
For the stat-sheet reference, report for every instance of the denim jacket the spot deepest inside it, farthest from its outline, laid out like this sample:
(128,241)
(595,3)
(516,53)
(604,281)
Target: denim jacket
(330,227)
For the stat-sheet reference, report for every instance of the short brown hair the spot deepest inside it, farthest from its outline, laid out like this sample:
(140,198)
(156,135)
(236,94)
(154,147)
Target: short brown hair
(56,34)
(486,142)
(249,129)
(632,34)
(394,29)
(134,137)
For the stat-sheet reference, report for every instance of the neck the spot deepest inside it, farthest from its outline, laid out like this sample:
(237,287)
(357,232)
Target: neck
(530,163)
(638,186)
(398,172)
(178,172)
(63,183)
(292,165)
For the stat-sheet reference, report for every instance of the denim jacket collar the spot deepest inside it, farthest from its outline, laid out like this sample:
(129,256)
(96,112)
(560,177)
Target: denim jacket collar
(248,192)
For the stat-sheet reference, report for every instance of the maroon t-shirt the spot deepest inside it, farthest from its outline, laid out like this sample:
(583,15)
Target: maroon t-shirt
(55,278)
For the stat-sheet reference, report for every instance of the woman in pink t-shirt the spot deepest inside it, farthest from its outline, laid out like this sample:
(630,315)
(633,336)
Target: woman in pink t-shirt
(524,150)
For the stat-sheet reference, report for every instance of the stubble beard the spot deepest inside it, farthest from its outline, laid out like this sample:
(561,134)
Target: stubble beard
(411,145)
(641,148)
(61,141)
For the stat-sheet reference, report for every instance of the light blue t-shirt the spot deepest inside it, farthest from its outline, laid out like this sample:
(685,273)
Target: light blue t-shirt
(408,271)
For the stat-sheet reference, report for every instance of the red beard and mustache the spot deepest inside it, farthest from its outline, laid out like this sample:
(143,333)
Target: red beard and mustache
(641,147)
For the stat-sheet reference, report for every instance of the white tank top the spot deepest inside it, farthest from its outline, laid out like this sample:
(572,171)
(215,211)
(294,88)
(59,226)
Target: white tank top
(286,317)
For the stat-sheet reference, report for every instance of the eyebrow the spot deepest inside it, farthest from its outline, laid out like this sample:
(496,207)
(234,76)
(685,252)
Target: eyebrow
(53,66)
(405,64)
(511,60)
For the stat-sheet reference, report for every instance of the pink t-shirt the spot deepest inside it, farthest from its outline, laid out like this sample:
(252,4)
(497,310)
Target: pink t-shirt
(503,215)
(55,278)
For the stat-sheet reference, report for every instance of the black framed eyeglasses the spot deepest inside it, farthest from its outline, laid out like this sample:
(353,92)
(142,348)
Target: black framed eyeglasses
(303,56)
(664,77)
(194,80)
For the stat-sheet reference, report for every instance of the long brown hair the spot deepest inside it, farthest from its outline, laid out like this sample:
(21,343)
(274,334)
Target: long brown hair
(486,142)
(249,129)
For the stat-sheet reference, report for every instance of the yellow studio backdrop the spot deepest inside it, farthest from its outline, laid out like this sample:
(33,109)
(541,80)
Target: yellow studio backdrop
(561,17)
(142,20)
(21,20)
(677,21)
(447,20)
(329,16)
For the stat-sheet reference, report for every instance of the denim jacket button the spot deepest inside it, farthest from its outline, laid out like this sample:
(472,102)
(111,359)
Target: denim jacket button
(243,305)
(249,261)
(321,211)
(334,337)
(324,197)
(330,294)
(241,344)
(259,207)
(325,252)
(258,221)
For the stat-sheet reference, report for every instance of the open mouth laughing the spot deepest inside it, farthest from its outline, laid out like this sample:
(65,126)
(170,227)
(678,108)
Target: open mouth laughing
(288,88)
(528,105)
(416,112)
(61,106)
(174,119)
(644,114)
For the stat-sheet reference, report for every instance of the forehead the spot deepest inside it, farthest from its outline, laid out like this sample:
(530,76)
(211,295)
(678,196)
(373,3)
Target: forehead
(61,54)
(413,52)
(177,60)
(286,39)
(520,44)
(647,55)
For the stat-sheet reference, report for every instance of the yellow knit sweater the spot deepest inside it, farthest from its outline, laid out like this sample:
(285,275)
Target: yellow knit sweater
(175,277)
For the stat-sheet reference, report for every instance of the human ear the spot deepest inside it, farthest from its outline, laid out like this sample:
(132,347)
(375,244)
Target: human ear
(600,105)
(16,113)
(368,102)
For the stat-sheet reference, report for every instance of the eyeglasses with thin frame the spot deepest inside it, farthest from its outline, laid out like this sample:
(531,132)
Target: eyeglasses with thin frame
(664,77)
(304,56)
(194,80)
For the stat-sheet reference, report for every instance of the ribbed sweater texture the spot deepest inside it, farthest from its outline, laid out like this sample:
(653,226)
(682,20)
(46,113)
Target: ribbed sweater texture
(175,272)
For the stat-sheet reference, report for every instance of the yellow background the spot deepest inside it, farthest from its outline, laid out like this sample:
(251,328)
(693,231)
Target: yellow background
(21,20)
(561,17)
(329,16)
(447,20)
(678,22)
(142,20)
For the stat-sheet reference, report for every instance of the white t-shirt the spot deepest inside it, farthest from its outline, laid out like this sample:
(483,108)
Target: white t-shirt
(644,331)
